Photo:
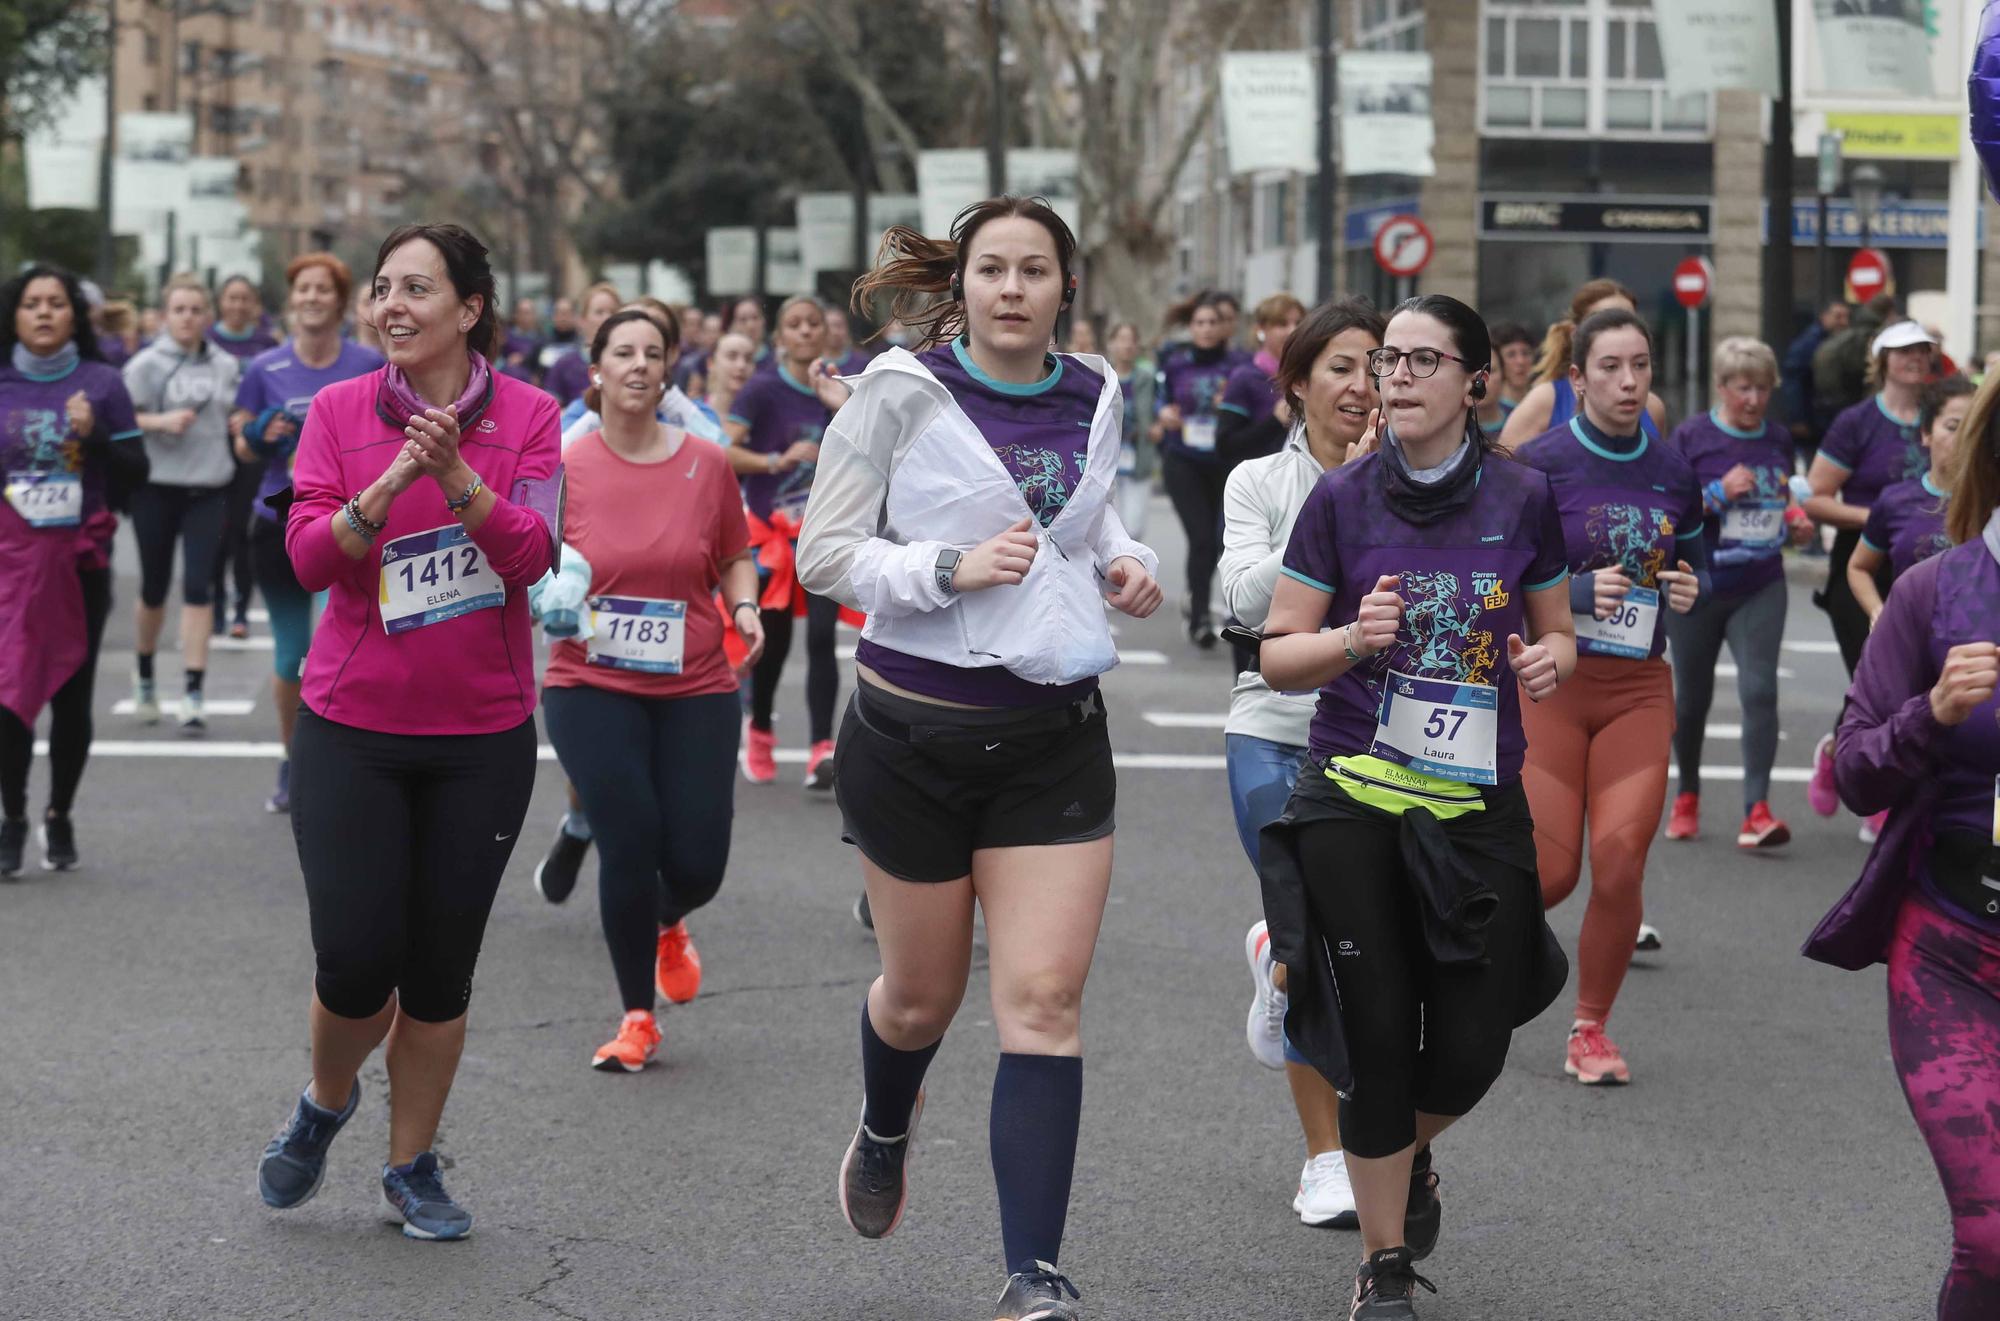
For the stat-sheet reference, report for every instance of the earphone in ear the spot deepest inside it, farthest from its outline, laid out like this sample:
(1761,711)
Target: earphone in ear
(957,289)
(1479,386)
(1069,294)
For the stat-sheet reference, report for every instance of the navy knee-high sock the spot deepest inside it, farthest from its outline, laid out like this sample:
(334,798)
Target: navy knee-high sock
(890,1079)
(1036,1103)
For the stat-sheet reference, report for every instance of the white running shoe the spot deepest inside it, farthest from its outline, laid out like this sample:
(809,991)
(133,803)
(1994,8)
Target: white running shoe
(1266,1027)
(145,701)
(1649,938)
(1325,1196)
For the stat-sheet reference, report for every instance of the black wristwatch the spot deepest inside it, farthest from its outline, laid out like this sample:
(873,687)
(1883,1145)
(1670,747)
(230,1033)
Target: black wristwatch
(947,565)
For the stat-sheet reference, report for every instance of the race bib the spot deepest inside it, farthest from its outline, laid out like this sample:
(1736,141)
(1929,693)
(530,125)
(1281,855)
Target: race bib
(637,633)
(1128,459)
(1753,525)
(1629,630)
(46,499)
(1198,433)
(429,577)
(1450,730)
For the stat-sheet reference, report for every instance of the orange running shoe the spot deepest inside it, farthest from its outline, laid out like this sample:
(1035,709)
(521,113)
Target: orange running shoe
(635,1046)
(1761,830)
(676,965)
(1593,1057)
(1685,822)
(760,755)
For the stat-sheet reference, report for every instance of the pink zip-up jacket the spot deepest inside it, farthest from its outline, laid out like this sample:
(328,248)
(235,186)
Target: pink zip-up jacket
(473,674)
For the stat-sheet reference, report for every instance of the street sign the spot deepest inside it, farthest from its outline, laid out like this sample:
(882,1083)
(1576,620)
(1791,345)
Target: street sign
(1829,163)
(1867,275)
(1693,279)
(1403,245)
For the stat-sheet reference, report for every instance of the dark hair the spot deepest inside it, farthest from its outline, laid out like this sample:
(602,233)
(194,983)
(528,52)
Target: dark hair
(1511,332)
(1181,313)
(1603,323)
(222,288)
(465,265)
(1936,395)
(82,333)
(593,398)
(1322,326)
(913,269)
(729,314)
(1472,340)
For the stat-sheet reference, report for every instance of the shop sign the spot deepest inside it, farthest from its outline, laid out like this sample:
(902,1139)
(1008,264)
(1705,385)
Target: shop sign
(1896,137)
(1599,219)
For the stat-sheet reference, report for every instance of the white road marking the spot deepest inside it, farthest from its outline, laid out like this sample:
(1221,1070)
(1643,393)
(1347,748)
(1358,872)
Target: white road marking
(1129,657)
(1814,647)
(256,642)
(1186,719)
(1727,671)
(171,706)
(1735,731)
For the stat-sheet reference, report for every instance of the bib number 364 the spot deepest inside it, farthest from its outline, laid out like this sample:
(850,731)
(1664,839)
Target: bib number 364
(1450,730)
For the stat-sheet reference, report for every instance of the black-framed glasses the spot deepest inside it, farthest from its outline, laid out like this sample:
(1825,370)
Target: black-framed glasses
(1423,362)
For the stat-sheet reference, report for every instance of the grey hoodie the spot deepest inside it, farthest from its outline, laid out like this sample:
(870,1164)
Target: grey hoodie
(163,377)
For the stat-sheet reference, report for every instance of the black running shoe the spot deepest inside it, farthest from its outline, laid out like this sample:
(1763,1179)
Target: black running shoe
(862,914)
(1385,1287)
(14,843)
(874,1178)
(292,1166)
(1425,1216)
(555,874)
(1035,1293)
(58,843)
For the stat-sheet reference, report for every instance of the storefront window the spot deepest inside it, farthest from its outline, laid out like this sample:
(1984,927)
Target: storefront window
(1584,67)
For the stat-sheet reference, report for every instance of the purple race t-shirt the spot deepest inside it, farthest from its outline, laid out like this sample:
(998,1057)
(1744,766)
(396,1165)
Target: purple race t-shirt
(780,411)
(1749,558)
(1906,523)
(34,424)
(1626,502)
(1251,391)
(277,379)
(520,355)
(1876,448)
(1194,379)
(258,339)
(1462,579)
(567,377)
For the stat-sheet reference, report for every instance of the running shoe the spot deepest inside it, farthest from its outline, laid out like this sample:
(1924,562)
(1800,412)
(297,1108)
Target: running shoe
(239,629)
(676,965)
(13,844)
(1385,1287)
(863,914)
(1593,1058)
(1685,820)
(1202,634)
(760,761)
(1649,941)
(875,1178)
(280,801)
(1821,792)
(416,1196)
(290,1170)
(1761,830)
(1423,1214)
(1035,1292)
(555,874)
(145,701)
(58,843)
(636,1045)
(194,714)
(1266,1026)
(1871,827)
(820,765)
(1325,1197)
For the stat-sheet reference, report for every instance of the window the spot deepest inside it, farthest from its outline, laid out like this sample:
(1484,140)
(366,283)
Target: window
(1581,68)
(1389,25)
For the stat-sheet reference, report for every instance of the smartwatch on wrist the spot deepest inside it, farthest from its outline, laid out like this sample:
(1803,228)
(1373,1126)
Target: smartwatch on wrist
(742,605)
(947,566)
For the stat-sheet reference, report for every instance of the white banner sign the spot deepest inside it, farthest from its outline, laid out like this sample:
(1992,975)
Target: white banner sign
(1385,113)
(1049,173)
(1270,113)
(62,156)
(947,183)
(784,273)
(1884,51)
(826,231)
(669,284)
(212,209)
(1718,45)
(732,261)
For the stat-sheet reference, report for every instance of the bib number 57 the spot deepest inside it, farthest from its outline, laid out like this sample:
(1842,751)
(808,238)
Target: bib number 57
(1440,715)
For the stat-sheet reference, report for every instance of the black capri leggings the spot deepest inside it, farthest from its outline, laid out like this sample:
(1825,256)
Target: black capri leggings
(192,515)
(70,725)
(657,776)
(1196,491)
(1420,1036)
(1850,621)
(822,670)
(402,839)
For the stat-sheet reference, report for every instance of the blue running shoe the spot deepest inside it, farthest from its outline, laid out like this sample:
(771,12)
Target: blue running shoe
(417,1197)
(295,1161)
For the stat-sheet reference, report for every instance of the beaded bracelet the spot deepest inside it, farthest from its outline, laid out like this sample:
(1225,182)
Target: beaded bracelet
(358,521)
(464,501)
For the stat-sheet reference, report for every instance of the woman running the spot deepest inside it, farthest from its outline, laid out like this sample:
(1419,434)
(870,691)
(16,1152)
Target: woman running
(1870,446)
(569,375)
(1551,401)
(1138,456)
(1920,739)
(271,406)
(1193,378)
(1323,379)
(70,450)
(1597,750)
(729,364)
(774,427)
(1416,578)
(964,504)
(643,708)
(1743,461)
(1248,423)
(240,330)
(1906,524)
(1514,347)
(242,333)
(415,753)
(182,385)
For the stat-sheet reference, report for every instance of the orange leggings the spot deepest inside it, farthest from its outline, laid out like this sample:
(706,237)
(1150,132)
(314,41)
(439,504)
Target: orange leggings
(1598,749)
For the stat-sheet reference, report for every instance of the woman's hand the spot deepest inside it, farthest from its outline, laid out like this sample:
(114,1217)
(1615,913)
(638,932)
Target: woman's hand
(1682,587)
(1136,594)
(176,422)
(1610,586)
(1168,418)
(403,470)
(1738,482)
(1001,561)
(801,452)
(1533,666)
(1970,672)
(831,391)
(750,627)
(1365,446)
(1379,619)
(82,417)
(435,436)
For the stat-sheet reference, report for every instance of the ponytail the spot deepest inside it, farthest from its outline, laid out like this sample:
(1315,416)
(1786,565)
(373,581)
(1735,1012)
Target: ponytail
(1553,360)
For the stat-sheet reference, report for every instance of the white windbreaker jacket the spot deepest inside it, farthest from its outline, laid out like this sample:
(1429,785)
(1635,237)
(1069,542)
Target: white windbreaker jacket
(1259,505)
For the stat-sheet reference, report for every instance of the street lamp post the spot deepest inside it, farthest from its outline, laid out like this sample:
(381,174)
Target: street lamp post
(1865,187)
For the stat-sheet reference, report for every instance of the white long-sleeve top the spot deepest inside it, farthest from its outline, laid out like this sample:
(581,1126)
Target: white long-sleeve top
(1259,505)
(904,474)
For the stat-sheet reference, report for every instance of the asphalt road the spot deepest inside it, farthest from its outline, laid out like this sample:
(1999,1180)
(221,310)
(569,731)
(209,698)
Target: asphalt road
(1762,1164)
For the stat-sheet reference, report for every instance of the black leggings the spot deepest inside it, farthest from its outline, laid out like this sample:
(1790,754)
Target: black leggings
(1850,621)
(402,839)
(1420,1036)
(191,515)
(657,776)
(1196,490)
(822,671)
(233,564)
(70,726)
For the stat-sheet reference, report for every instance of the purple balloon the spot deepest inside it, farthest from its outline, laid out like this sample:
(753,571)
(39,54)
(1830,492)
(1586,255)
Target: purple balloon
(1983,92)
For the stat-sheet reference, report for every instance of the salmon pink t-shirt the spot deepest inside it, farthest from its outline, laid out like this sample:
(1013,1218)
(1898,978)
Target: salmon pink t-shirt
(657,533)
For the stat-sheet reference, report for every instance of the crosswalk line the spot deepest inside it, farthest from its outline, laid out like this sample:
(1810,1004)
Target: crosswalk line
(170,707)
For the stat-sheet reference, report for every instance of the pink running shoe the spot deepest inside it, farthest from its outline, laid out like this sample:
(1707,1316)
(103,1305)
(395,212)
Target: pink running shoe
(1821,793)
(760,759)
(1685,820)
(1871,828)
(1593,1058)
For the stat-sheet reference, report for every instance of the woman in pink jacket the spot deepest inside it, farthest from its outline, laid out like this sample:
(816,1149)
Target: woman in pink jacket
(426,500)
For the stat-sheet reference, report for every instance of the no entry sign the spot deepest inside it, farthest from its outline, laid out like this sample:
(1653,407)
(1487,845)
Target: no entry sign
(1694,278)
(1403,245)
(1867,275)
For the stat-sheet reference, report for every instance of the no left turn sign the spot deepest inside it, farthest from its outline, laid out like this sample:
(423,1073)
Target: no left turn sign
(1403,245)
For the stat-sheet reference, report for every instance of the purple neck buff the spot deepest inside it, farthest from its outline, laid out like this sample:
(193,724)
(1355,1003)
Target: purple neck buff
(396,402)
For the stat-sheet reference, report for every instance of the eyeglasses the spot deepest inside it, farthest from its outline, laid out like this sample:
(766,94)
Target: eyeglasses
(1423,362)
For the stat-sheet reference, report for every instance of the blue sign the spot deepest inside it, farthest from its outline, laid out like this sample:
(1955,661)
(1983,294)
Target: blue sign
(1362,222)
(1899,224)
